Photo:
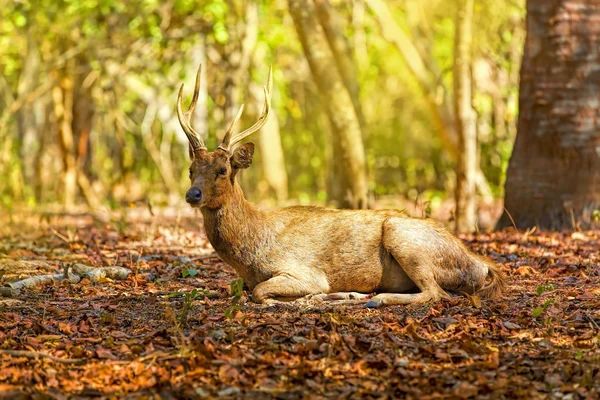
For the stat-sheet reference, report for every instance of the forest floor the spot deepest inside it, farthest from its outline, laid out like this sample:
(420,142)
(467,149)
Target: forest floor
(172,329)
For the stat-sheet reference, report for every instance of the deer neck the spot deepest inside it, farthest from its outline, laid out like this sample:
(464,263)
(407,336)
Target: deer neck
(239,232)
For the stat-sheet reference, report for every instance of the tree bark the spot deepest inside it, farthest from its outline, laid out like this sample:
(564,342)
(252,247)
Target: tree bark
(73,119)
(340,49)
(466,169)
(28,116)
(62,96)
(338,104)
(553,179)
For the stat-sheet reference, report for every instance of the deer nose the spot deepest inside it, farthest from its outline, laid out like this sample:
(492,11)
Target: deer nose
(193,196)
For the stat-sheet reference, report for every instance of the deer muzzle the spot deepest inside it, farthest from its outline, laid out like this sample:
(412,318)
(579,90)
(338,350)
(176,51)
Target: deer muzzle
(193,196)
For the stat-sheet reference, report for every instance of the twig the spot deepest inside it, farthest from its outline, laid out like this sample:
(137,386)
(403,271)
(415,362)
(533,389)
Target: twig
(591,320)
(60,236)
(37,355)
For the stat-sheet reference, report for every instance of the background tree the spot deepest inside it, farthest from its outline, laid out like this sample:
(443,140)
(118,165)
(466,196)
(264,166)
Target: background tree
(553,180)
(338,104)
(466,168)
(127,59)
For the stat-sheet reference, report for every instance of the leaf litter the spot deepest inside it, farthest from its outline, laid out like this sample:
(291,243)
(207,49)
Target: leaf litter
(181,325)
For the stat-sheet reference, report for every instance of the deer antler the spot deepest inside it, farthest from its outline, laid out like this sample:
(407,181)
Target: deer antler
(230,139)
(184,117)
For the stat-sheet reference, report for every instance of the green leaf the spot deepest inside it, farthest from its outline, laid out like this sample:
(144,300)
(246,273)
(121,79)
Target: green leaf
(237,287)
(189,272)
(548,302)
(537,311)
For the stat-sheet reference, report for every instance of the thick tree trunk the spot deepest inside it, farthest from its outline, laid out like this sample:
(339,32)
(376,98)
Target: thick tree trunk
(338,104)
(553,179)
(466,169)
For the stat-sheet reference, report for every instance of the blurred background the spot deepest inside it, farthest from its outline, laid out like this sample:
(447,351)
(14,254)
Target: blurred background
(88,91)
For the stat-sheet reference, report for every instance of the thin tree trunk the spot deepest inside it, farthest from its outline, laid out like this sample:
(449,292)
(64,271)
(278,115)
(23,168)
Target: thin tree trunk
(28,118)
(466,205)
(45,105)
(360,39)
(552,180)
(62,96)
(441,113)
(271,151)
(337,101)
(340,48)
(83,114)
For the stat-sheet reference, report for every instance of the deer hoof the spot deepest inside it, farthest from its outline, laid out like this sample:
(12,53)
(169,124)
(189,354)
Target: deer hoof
(374,303)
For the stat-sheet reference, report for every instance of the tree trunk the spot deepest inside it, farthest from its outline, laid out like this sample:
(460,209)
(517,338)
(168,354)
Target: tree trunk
(441,112)
(338,104)
(62,96)
(553,179)
(340,49)
(466,205)
(271,151)
(28,116)
(73,133)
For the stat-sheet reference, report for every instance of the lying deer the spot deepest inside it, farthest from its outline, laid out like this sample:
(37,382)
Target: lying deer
(317,252)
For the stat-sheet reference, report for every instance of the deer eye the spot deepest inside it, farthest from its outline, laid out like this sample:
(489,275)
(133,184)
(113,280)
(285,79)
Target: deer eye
(190,173)
(223,171)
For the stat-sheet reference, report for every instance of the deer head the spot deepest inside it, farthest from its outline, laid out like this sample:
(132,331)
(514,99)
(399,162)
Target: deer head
(212,174)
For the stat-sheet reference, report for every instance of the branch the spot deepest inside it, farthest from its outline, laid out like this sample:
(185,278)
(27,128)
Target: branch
(73,274)
(442,117)
(38,355)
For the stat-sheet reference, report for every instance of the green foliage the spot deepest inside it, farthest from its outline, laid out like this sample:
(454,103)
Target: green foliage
(544,288)
(237,291)
(138,52)
(188,298)
(189,272)
(539,310)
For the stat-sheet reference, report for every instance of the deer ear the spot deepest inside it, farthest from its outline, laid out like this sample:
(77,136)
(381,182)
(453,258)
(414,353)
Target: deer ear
(242,156)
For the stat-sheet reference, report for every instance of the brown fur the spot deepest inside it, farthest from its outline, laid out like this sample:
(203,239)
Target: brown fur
(299,251)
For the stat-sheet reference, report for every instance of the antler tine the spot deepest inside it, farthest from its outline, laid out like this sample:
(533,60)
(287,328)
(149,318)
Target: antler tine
(230,140)
(227,138)
(184,117)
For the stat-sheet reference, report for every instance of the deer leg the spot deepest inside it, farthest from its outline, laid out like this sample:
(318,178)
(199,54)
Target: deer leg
(286,287)
(338,296)
(417,266)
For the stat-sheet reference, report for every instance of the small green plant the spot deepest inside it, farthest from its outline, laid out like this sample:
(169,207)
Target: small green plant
(188,298)
(189,272)
(596,216)
(237,291)
(544,288)
(539,310)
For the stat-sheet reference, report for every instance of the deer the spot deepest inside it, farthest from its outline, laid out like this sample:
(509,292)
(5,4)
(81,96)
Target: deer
(375,257)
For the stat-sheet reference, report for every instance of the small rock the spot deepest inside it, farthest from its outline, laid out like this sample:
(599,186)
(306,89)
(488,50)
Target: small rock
(509,325)
(299,339)
(446,322)
(217,334)
(403,362)
(230,391)
(201,392)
